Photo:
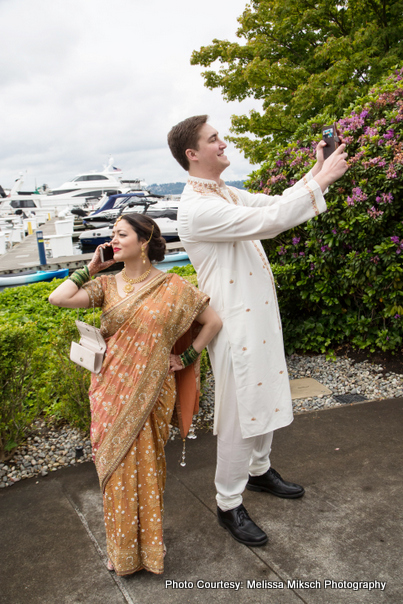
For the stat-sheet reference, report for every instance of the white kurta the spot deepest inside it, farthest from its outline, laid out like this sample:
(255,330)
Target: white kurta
(220,228)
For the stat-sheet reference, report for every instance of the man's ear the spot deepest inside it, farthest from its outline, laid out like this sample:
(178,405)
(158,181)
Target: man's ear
(191,154)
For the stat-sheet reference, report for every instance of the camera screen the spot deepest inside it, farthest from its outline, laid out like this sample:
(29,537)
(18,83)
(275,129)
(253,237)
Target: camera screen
(328,133)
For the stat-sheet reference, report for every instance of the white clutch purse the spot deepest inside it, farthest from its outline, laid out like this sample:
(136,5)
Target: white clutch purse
(90,351)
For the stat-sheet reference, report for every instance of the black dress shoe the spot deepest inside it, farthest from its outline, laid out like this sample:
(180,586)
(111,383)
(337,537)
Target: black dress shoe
(241,527)
(271,482)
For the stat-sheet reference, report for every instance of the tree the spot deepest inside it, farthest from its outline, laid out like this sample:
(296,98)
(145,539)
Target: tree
(301,58)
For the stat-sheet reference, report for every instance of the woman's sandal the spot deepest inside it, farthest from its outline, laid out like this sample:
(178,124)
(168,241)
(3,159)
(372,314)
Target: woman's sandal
(110,565)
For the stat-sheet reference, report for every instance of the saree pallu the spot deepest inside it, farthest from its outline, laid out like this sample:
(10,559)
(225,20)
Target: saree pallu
(132,401)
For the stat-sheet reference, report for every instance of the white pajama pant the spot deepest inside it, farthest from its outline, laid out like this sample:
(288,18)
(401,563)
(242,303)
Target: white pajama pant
(237,457)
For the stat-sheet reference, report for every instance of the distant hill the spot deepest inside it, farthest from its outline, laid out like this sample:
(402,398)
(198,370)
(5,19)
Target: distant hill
(176,188)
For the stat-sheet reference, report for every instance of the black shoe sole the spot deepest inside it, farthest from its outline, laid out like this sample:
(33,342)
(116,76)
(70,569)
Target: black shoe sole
(249,543)
(252,487)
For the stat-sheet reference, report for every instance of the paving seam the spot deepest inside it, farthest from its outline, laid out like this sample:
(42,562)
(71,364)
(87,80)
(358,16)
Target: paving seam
(251,549)
(104,559)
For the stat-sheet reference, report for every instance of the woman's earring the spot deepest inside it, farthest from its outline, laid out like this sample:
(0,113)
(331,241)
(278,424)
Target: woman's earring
(143,254)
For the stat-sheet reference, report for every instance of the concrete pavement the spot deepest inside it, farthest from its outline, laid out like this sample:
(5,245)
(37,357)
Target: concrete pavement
(347,528)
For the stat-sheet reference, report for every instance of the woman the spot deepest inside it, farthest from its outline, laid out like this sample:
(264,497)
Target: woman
(145,313)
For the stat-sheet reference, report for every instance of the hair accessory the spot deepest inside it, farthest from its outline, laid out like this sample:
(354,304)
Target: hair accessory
(130,282)
(152,232)
(117,219)
(143,247)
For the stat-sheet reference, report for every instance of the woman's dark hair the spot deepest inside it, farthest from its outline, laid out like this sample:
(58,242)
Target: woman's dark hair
(143,226)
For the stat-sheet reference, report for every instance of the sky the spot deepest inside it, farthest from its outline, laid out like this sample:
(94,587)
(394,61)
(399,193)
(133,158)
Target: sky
(83,80)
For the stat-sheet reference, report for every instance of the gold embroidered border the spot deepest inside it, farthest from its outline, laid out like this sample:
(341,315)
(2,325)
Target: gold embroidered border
(313,200)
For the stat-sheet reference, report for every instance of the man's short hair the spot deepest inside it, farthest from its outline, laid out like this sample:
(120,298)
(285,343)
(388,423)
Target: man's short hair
(185,135)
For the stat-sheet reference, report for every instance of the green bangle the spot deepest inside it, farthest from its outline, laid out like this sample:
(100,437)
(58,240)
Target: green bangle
(189,356)
(80,276)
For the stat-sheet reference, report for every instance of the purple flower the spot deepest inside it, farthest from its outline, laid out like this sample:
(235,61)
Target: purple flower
(395,239)
(281,251)
(296,240)
(357,195)
(334,231)
(302,253)
(324,248)
(391,173)
(370,132)
(390,134)
(397,316)
(398,251)
(374,213)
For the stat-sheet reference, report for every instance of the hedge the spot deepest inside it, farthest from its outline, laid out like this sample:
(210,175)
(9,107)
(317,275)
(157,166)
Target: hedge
(340,275)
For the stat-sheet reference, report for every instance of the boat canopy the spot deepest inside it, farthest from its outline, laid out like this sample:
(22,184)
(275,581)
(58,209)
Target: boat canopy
(110,202)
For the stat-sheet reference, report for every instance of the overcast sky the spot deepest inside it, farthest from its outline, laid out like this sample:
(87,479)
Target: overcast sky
(82,80)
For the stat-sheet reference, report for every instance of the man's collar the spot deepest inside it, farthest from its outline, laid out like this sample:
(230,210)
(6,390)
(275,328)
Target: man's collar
(206,181)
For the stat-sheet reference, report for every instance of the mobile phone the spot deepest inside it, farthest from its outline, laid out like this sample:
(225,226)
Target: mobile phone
(331,138)
(106,253)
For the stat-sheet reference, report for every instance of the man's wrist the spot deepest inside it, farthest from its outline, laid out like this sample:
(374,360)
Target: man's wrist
(317,168)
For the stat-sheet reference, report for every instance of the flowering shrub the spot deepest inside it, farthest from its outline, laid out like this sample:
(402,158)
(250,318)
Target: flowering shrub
(340,275)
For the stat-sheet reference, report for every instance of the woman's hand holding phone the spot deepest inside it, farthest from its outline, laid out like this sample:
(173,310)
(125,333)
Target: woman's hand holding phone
(102,259)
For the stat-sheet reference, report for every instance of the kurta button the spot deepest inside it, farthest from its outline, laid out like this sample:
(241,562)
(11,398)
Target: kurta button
(277,410)
(281,371)
(231,281)
(250,273)
(260,383)
(248,310)
(244,348)
(253,419)
(266,302)
(264,341)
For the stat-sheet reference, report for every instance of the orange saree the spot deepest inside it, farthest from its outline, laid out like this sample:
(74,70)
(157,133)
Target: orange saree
(132,401)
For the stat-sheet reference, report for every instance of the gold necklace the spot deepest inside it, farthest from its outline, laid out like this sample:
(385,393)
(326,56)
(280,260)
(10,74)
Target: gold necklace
(130,282)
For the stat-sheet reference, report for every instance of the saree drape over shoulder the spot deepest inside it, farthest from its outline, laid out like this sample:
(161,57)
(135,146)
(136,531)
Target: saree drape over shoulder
(132,401)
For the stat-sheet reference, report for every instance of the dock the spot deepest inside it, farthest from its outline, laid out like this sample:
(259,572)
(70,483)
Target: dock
(24,256)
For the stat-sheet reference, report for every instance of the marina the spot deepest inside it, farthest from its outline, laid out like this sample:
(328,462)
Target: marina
(23,257)
(84,190)
(47,234)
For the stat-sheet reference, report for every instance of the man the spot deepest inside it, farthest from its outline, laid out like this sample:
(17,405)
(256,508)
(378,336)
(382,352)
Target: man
(220,228)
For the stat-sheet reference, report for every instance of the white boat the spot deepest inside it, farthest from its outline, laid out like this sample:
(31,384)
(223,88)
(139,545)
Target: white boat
(112,206)
(103,219)
(84,189)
